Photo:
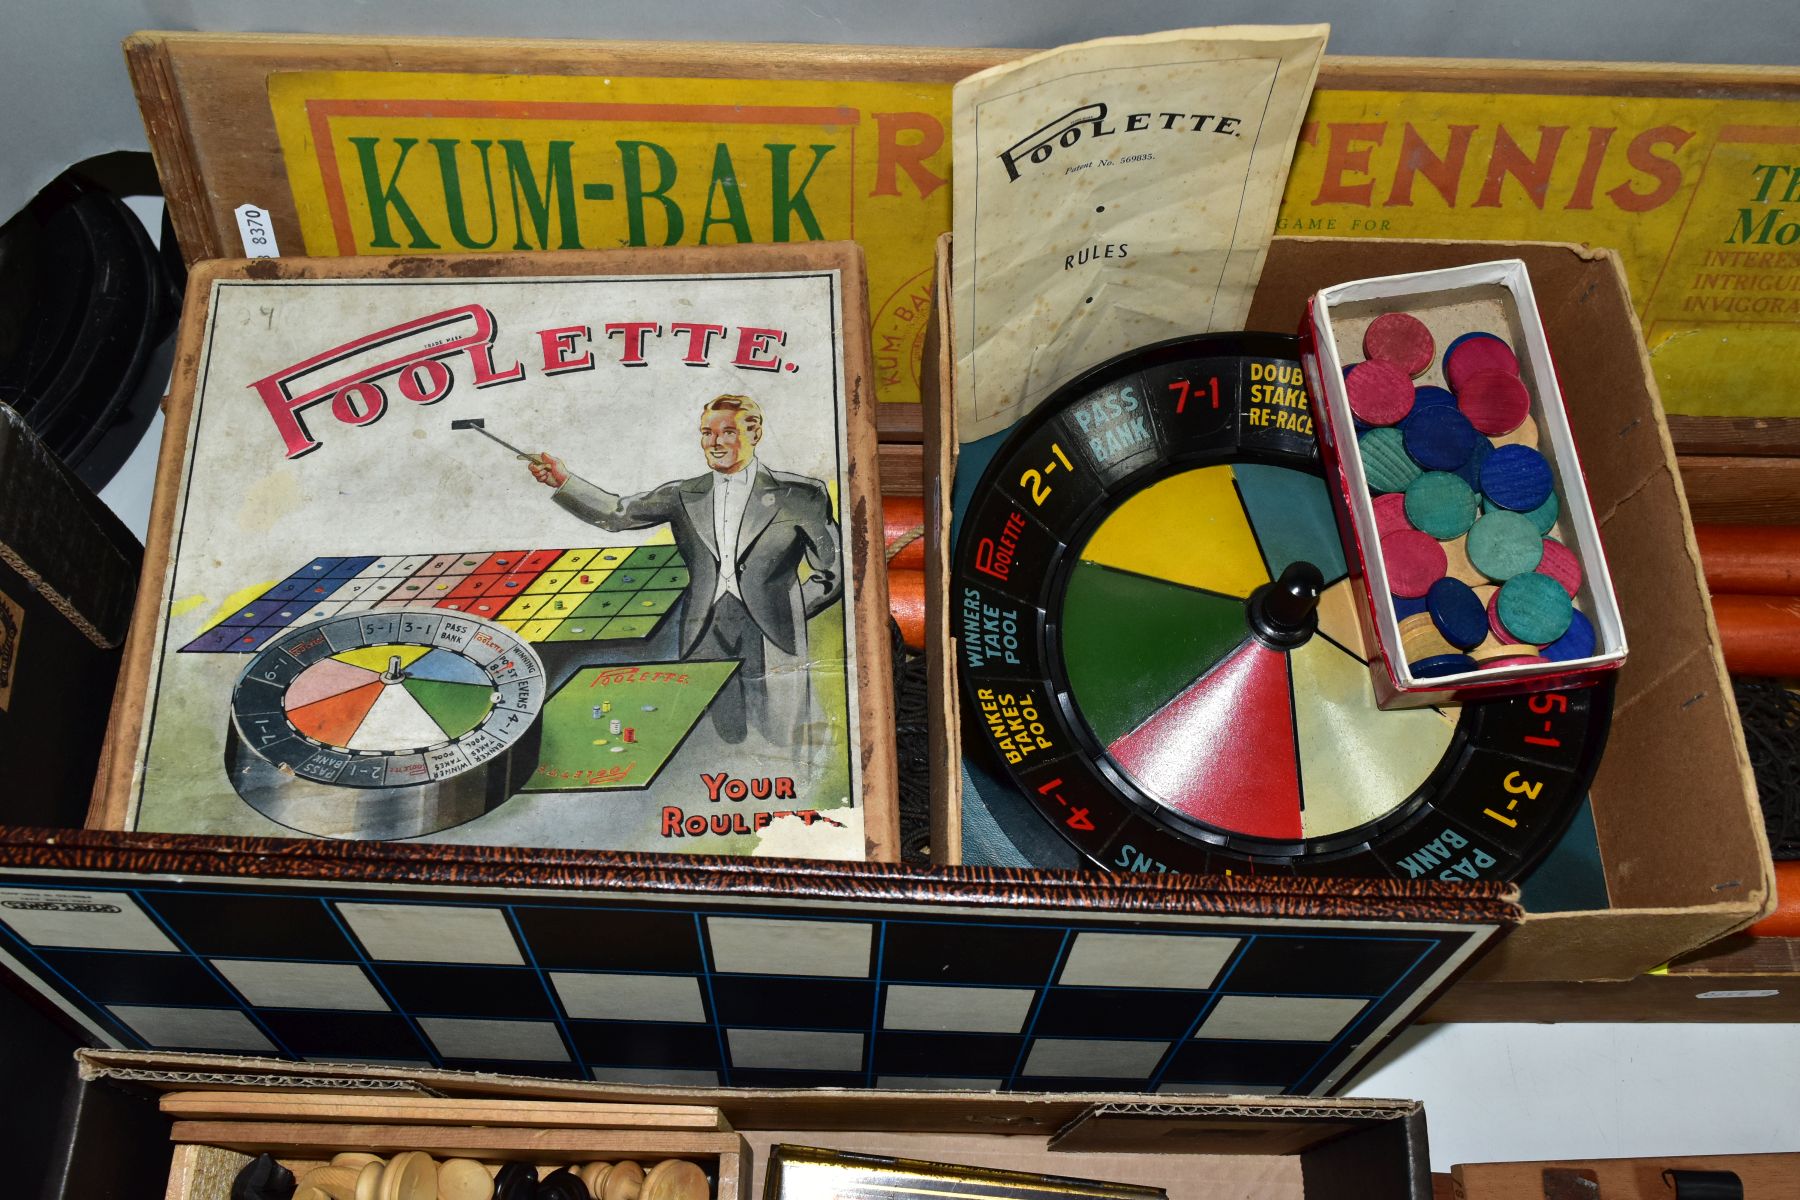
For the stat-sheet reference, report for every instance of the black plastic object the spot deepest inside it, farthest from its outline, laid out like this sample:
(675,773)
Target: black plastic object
(68,578)
(516,1181)
(561,1184)
(262,1178)
(1285,612)
(87,313)
(1705,1185)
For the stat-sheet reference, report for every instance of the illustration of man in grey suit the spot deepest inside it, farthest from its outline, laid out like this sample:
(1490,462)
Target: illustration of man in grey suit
(743,530)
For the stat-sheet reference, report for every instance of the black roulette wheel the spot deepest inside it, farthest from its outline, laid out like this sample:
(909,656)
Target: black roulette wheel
(1158,646)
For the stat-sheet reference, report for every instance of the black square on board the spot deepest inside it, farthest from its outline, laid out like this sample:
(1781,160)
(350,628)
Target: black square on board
(948,952)
(466,991)
(1347,966)
(157,979)
(1280,1064)
(646,1044)
(237,926)
(1118,1012)
(792,1003)
(312,1034)
(977,1055)
(610,939)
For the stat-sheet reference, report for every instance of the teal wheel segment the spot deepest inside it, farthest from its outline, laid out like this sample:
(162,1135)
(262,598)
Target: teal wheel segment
(446,667)
(1290,514)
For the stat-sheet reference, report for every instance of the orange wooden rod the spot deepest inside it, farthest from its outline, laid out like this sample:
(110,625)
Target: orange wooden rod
(1759,635)
(1756,560)
(906,601)
(903,519)
(1785,920)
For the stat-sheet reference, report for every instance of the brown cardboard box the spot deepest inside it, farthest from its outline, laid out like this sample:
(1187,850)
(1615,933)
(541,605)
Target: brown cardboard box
(1283,1149)
(1761,1175)
(1680,833)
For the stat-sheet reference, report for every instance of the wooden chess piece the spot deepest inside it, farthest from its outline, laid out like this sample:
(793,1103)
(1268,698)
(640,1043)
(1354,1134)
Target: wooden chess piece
(368,1179)
(337,1182)
(464,1179)
(676,1179)
(409,1176)
(594,1176)
(624,1182)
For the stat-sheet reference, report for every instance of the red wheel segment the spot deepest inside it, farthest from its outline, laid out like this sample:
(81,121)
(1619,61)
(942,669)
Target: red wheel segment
(1223,751)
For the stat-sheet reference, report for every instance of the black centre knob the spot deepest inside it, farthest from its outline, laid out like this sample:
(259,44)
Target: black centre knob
(1285,612)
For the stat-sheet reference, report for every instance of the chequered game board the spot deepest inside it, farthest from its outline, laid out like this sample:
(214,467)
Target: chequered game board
(594,593)
(691,990)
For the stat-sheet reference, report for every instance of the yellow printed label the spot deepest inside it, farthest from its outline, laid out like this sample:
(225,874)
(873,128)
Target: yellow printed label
(394,163)
(1700,196)
(1694,194)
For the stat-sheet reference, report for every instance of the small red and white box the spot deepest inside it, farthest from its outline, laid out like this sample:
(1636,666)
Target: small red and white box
(1479,303)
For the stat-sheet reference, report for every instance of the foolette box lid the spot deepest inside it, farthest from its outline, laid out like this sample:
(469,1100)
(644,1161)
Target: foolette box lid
(1675,855)
(1228,1145)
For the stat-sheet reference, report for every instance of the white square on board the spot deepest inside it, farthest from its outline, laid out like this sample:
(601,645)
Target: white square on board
(194,1028)
(267,984)
(1096,1058)
(605,997)
(1280,1018)
(81,920)
(795,1049)
(1149,960)
(470,1037)
(433,933)
(801,946)
(957,1009)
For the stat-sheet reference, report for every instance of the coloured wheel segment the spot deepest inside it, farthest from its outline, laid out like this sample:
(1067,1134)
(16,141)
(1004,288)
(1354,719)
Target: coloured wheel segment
(390,699)
(1111,669)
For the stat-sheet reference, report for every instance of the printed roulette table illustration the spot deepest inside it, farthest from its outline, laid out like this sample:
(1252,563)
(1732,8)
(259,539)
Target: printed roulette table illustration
(548,597)
(1159,647)
(381,724)
(399,696)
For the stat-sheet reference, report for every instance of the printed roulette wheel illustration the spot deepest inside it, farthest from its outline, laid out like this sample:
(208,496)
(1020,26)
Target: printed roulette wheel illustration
(385,724)
(1159,647)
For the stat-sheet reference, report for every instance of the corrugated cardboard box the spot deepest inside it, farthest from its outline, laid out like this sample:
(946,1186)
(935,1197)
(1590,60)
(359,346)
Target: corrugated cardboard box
(1632,1178)
(1679,831)
(1244,1145)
